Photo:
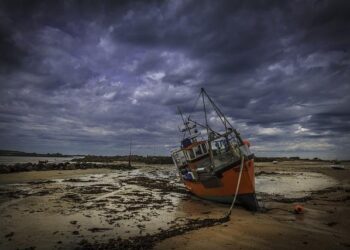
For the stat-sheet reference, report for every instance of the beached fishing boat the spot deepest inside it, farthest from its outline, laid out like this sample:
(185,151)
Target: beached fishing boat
(215,165)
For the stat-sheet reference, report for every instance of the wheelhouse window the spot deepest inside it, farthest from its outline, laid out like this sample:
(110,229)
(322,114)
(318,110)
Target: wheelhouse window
(198,150)
(191,154)
(204,147)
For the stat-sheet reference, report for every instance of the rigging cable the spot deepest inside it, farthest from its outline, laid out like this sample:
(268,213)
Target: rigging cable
(194,105)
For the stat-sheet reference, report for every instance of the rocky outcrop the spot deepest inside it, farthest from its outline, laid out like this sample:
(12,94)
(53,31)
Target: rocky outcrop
(25,167)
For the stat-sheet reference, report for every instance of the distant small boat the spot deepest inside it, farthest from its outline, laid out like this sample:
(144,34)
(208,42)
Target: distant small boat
(219,167)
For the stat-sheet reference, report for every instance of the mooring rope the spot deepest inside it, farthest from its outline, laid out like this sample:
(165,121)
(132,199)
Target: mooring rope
(237,187)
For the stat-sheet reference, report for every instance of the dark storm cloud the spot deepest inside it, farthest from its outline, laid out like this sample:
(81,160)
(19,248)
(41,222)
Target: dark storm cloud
(85,77)
(10,53)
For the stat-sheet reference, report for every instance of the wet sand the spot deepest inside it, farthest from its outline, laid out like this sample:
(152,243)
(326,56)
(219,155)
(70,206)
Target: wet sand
(324,225)
(148,207)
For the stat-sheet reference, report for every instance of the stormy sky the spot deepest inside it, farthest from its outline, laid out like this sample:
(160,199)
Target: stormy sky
(84,77)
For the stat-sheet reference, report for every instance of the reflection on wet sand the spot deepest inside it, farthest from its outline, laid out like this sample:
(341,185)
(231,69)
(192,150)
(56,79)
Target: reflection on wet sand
(93,206)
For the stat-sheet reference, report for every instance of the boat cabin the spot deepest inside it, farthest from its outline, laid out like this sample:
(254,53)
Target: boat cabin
(196,151)
(193,158)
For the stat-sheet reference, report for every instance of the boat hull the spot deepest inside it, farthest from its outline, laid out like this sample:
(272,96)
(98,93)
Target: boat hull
(225,191)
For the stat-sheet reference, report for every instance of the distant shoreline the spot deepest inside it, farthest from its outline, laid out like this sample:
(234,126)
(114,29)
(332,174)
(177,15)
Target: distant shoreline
(149,159)
(20,153)
(27,167)
(99,164)
(43,156)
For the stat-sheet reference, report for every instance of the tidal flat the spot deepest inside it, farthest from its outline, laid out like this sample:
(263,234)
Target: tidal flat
(148,207)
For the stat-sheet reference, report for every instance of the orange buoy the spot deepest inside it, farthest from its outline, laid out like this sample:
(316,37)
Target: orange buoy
(246,142)
(298,209)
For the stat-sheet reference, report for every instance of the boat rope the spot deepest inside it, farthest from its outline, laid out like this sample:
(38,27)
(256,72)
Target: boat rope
(237,187)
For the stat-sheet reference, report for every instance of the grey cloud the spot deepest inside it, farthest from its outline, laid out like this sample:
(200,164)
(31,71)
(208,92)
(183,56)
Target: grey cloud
(85,77)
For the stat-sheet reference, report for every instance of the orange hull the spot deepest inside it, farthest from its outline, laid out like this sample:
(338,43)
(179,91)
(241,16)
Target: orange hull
(229,179)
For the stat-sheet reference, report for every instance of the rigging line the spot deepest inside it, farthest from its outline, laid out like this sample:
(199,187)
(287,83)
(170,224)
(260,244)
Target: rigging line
(206,124)
(205,112)
(217,110)
(183,120)
(194,105)
(203,126)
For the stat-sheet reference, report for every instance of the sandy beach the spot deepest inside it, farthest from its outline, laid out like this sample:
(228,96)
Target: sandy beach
(148,207)
(324,225)
(117,116)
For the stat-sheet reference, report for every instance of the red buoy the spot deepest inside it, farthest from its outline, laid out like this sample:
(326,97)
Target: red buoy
(246,142)
(298,209)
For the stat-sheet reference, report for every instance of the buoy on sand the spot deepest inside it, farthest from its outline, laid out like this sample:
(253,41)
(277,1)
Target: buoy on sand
(298,209)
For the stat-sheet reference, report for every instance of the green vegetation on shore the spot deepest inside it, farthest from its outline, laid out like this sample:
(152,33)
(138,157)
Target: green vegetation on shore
(134,158)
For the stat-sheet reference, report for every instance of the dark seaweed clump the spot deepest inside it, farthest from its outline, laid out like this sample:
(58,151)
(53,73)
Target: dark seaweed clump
(149,241)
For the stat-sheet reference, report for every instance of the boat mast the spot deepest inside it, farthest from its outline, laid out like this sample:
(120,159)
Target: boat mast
(223,117)
(183,120)
(207,126)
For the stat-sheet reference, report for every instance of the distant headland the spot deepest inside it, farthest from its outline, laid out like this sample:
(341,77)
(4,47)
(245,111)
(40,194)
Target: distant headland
(20,153)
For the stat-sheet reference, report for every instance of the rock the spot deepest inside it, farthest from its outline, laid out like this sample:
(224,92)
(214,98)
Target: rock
(4,169)
(29,168)
(9,235)
(99,229)
(72,197)
(332,223)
